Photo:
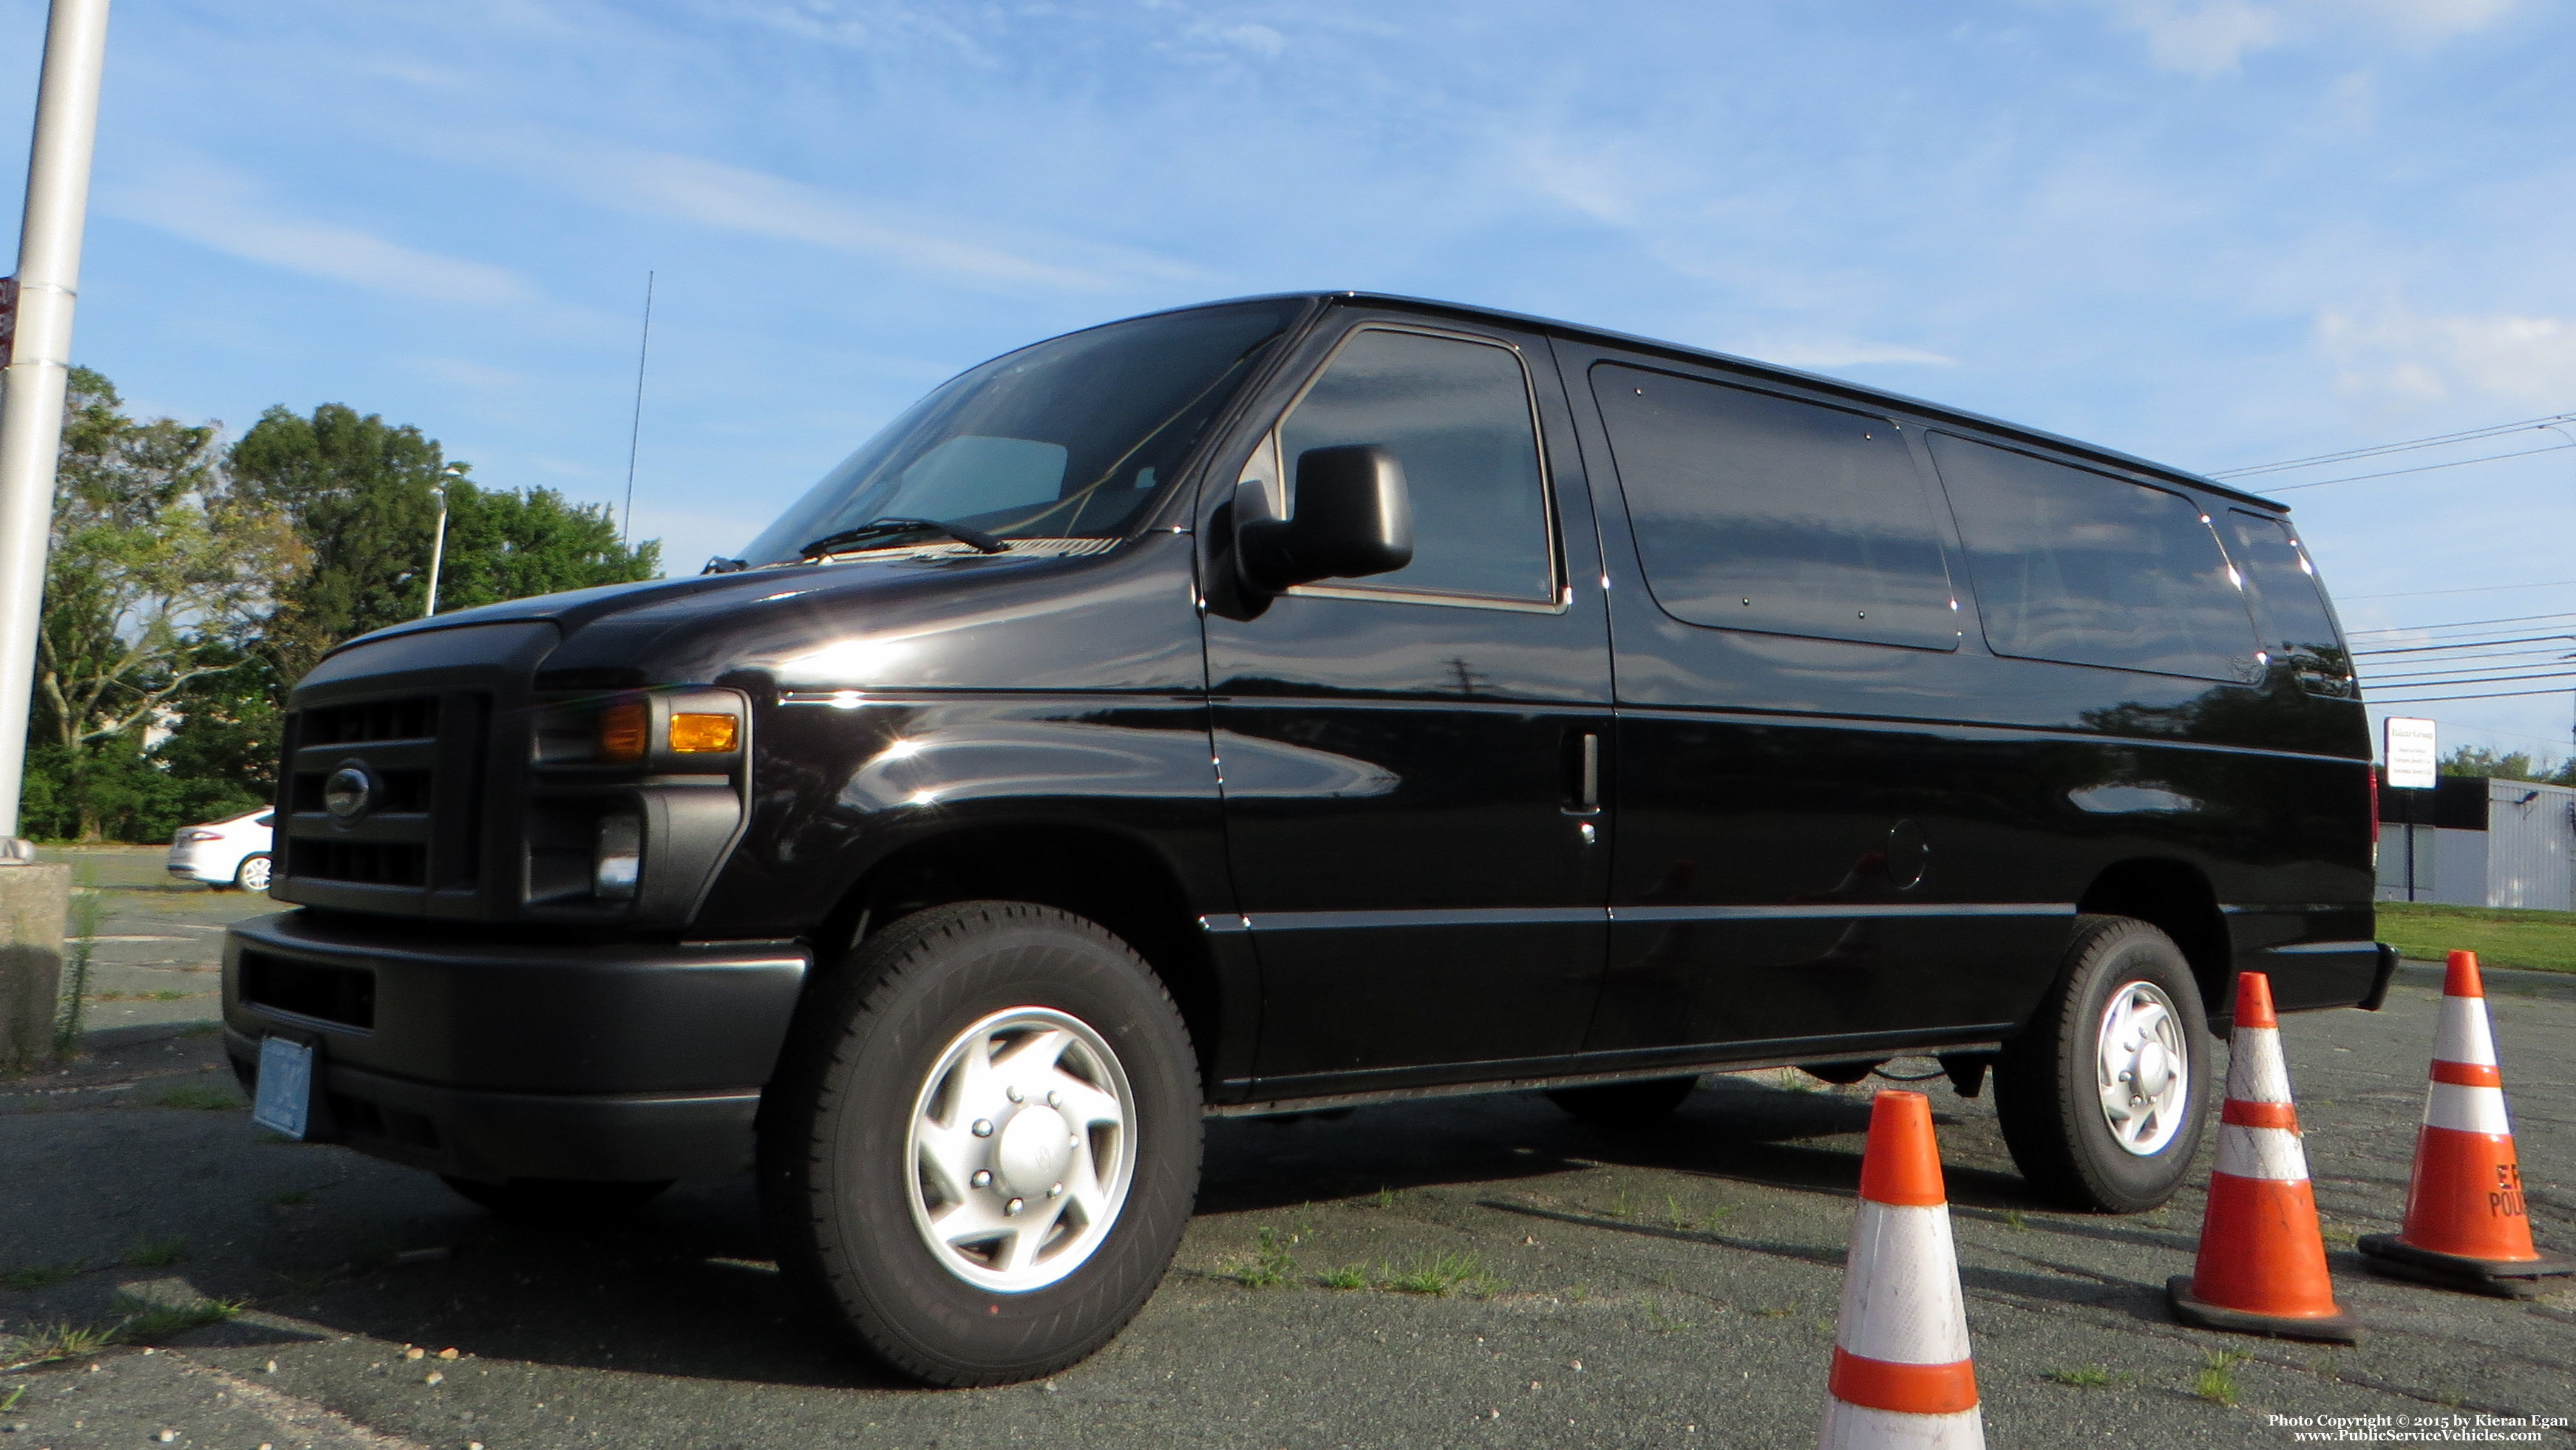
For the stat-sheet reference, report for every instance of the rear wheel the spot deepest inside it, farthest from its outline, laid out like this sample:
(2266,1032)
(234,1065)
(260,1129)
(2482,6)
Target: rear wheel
(1624,1104)
(983,1143)
(2103,1098)
(252,874)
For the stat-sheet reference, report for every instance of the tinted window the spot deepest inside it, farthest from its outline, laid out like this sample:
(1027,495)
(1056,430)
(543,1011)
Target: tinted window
(2071,565)
(1066,438)
(1760,512)
(2289,601)
(1457,416)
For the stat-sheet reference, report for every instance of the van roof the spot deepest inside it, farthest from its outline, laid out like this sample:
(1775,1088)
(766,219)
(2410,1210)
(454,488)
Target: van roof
(1841,387)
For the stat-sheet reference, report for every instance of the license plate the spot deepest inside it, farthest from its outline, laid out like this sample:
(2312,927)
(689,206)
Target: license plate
(285,1100)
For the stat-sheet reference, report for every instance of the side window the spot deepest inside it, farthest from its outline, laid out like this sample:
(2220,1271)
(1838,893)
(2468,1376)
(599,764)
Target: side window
(2075,566)
(1457,415)
(2289,601)
(1765,513)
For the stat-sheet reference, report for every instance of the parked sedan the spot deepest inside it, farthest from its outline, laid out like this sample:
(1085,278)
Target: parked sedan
(231,853)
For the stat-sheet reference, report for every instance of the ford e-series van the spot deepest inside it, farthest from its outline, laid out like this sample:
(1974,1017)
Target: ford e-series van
(1292,703)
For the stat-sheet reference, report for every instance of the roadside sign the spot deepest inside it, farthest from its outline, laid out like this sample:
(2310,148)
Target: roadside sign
(2413,759)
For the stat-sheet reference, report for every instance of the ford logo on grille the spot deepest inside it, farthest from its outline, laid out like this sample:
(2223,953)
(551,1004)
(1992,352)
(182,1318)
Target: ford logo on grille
(348,792)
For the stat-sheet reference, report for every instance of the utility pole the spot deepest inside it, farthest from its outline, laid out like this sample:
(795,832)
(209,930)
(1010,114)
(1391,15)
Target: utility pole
(38,369)
(438,540)
(35,367)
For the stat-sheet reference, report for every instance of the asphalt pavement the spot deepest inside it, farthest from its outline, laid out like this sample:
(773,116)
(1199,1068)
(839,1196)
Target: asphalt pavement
(1515,1278)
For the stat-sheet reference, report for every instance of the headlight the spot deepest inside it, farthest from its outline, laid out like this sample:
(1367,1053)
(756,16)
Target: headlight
(697,734)
(617,860)
(625,731)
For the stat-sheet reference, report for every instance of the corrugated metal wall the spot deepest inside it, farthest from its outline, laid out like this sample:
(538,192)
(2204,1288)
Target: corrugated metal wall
(2531,845)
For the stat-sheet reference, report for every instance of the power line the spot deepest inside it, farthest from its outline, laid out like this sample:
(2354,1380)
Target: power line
(2465,623)
(2348,455)
(2478,589)
(2479,696)
(2428,682)
(2423,468)
(2417,649)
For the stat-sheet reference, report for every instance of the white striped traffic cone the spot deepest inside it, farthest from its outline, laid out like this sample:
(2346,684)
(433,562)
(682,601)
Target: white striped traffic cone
(2262,1264)
(1903,1375)
(2465,1222)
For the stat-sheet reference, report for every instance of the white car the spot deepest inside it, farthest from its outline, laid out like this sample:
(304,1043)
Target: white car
(224,854)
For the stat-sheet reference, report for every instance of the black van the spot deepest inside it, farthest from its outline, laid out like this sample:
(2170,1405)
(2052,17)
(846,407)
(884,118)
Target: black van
(1298,702)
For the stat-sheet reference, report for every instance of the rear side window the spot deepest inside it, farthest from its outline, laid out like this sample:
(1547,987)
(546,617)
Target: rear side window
(1765,513)
(2290,612)
(1457,415)
(2078,567)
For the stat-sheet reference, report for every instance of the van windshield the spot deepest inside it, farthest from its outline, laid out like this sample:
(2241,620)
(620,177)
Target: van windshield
(1069,438)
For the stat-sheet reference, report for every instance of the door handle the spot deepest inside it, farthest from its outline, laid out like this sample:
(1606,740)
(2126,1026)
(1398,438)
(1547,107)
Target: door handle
(1583,767)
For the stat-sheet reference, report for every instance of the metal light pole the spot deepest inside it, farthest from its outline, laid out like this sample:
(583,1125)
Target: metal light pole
(438,541)
(39,364)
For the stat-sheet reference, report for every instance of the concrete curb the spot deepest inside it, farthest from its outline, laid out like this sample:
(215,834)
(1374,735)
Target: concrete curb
(2499,981)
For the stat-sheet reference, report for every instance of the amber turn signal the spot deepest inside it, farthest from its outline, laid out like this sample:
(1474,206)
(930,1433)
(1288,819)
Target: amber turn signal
(625,731)
(704,734)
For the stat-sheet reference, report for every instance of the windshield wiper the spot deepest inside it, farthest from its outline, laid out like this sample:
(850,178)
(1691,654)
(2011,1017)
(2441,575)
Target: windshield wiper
(880,528)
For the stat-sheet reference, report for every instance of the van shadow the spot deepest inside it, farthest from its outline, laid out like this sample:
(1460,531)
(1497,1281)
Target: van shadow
(688,1288)
(1729,1129)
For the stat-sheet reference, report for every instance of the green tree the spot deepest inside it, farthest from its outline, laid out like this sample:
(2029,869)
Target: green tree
(159,572)
(360,492)
(2478,760)
(504,544)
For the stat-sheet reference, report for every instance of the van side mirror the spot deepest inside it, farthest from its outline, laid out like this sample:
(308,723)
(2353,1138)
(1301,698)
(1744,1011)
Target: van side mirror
(1353,518)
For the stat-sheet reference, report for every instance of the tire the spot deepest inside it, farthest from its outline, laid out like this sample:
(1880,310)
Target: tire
(558,1202)
(252,873)
(1624,1104)
(862,1153)
(2053,1095)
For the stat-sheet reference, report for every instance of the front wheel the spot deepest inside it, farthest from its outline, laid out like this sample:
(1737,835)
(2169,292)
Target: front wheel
(983,1143)
(2103,1097)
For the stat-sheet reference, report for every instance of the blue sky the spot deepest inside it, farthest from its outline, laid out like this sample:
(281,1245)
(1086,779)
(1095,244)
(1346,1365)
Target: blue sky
(2214,232)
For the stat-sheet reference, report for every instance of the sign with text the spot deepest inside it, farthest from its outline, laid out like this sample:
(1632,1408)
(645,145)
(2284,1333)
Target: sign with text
(2413,759)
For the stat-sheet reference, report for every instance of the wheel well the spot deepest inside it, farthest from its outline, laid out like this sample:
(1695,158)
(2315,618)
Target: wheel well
(2176,899)
(1099,876)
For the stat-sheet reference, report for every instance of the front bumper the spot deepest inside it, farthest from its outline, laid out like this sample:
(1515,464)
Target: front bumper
(509,1059)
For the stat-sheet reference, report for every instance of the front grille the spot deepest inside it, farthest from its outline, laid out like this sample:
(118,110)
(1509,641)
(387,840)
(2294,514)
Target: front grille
(415,719)
(369,863)
(346,995)
(423,754)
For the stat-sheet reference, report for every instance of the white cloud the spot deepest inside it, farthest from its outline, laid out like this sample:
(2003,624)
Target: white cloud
(2396,351)
(2213,37)
(2204,39)
(222,210)
(733,198)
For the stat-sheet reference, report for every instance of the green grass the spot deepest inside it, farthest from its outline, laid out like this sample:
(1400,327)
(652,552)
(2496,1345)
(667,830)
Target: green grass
(198,1095)
(1658,1323)
(1439,1276)
(1270,1266)
(1349,1276)
(2540,941)
(2091,1376)
(138,1321)
(156,1253)
(2216,1381)
(40,1276)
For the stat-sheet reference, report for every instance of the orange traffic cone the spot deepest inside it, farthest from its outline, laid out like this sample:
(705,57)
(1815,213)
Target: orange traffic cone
(2262,1265)
(1902,1373)
(2465,1225)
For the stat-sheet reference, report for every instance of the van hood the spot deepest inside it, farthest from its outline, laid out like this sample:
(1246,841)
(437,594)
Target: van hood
(936,617)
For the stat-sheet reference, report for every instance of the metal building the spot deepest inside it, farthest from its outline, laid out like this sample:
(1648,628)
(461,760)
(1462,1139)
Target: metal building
(2478,842)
